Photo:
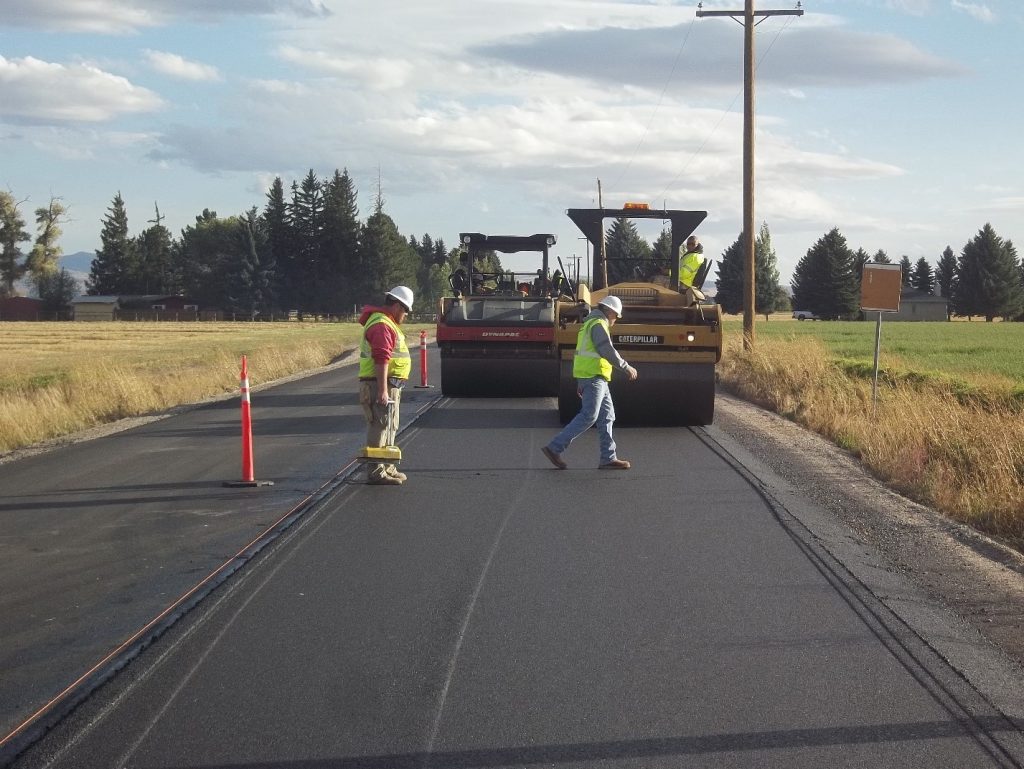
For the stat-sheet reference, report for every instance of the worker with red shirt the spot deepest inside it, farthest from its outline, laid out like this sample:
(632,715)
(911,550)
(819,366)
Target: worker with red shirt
(384,365)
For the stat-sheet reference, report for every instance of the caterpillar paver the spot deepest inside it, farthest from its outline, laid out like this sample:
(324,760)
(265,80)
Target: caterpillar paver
(672,339)
(496,335)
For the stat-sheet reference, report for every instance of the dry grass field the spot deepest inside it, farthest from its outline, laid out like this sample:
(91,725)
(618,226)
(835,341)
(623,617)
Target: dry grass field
(58,378)
(948,429)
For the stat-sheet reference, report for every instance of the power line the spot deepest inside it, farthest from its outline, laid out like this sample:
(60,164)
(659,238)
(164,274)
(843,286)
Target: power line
(749,15)
(725,112)
(661,98)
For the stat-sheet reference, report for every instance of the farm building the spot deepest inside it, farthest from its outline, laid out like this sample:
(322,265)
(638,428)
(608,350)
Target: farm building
(94,307)
(20,308)
(917,305)
(157,307)
(137,307)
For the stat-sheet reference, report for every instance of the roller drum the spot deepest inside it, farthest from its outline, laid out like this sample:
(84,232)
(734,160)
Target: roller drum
(663,395)
(464,377)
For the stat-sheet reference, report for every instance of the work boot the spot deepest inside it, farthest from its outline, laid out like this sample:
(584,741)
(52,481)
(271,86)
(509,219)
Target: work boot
(393,472)
(556,459)
(615,464)
(384,480)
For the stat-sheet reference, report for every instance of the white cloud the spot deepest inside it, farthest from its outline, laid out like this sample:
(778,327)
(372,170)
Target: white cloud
(178,67)
(1007,204)
(376,72)
(129,16)
(280,87)
(914,7)
(40,91)
(978,11)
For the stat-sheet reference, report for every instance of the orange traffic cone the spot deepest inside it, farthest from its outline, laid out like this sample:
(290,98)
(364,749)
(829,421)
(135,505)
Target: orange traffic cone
(248,475)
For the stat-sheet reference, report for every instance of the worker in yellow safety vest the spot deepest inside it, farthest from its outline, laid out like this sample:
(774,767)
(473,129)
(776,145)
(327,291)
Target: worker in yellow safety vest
(596,358)
(384,365)
(690,261)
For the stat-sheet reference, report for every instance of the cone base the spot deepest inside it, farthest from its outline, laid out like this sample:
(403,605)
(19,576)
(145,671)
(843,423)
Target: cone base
(248,483)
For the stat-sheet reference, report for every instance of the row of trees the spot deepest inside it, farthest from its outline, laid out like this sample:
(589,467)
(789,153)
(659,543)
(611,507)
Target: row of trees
(306,250)
(986,280)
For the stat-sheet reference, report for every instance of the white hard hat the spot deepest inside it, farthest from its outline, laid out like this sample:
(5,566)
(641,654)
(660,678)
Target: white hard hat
(403,294)
(612,303)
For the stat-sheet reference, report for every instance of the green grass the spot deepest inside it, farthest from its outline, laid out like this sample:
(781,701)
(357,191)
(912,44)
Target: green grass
(961,351)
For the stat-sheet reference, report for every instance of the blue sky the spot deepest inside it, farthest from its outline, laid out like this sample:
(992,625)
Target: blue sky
(896,121)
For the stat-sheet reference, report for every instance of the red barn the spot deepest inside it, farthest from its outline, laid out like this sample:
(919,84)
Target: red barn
(21,308)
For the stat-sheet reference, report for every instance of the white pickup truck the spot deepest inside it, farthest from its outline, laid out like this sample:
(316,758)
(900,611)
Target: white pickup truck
(805,315)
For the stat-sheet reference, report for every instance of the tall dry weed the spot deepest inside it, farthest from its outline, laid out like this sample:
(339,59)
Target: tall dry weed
(97,392)
(963,456)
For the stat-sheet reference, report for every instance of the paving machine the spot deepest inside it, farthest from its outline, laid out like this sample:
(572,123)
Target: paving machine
(497,334)
(666,332)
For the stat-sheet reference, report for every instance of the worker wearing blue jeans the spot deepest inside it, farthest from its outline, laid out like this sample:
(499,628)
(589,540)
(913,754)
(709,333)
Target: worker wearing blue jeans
(592,367)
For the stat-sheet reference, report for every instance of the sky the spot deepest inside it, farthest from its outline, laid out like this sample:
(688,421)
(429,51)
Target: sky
(897,121)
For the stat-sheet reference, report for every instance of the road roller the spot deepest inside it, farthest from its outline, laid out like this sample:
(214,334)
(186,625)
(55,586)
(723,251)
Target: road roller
(669,333)
(496,334)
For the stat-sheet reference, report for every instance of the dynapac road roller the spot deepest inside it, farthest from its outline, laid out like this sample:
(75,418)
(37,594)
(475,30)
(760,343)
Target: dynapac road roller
(665,332)
(497,334)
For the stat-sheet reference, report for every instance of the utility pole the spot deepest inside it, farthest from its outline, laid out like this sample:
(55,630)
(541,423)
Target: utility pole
(604,253)
(748,16)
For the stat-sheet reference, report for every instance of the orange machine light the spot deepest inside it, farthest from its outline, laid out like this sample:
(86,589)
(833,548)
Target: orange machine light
(640,206)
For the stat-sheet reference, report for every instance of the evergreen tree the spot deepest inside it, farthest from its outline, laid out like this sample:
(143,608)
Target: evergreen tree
(46,253)
(881,257)
(249,292)
(906,270)
(386,258)
(441,254)
(729,283)
(208,254)
(340,242)
(113,268)
(156,273)
(280,238)
(56,290)
(823,281)
(12,232)
(307,210)
(628,254)
(988,278)
(731,271)
(860,258)
(661,253)
(766,272)
(430,282)
(923,278)
(945,273)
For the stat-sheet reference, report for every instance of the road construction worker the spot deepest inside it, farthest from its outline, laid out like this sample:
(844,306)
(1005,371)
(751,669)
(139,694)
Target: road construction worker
(690,262)
(384,365)
(596,358)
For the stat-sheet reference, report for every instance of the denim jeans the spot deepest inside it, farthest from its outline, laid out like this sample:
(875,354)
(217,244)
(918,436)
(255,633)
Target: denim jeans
(597,407)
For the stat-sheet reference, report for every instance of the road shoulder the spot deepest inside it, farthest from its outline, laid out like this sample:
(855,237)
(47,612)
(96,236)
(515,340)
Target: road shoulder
(957,570)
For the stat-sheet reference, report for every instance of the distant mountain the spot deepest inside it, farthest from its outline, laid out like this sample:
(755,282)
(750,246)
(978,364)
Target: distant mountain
(80,261)
(78,265)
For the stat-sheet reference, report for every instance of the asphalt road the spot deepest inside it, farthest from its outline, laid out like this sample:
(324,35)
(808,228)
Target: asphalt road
(495,611)
(101,537)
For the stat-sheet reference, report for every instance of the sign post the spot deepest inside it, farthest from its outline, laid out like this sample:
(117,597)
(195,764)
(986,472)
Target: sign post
(880,289)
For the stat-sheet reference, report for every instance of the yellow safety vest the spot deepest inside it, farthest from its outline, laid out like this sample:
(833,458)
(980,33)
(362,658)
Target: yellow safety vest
(400,363)
(588,363)
(689,263)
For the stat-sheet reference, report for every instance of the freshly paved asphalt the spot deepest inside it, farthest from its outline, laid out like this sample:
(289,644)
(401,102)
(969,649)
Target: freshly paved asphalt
(98,538)
(495,611)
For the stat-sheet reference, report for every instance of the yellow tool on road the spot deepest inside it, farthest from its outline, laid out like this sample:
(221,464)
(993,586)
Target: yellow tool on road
(382,455)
